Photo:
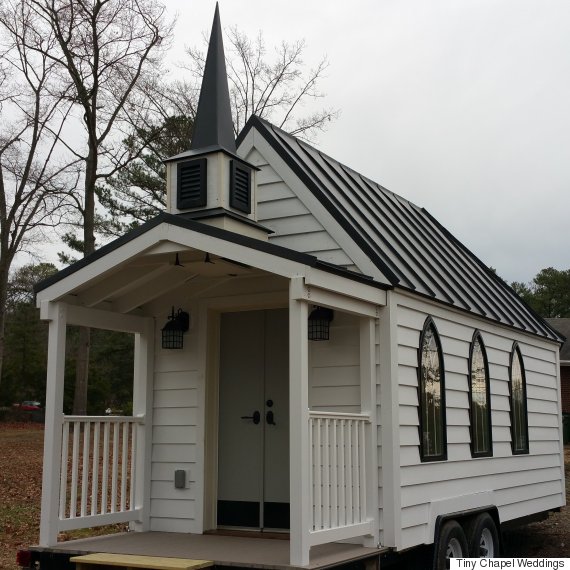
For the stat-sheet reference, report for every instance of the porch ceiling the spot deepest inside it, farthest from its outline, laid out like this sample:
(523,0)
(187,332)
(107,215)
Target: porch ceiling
(140,269)
(154,274)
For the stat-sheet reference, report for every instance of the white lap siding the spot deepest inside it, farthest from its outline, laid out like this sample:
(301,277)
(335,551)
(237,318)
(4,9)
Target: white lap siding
(294,226)
(176,420)
(518,485)
(334,368)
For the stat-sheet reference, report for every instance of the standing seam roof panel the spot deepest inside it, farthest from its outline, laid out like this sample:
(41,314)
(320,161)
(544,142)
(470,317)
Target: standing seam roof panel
(363,222)
(383,224)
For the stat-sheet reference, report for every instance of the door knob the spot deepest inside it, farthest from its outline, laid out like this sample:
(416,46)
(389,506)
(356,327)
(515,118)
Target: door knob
(256,417)
(270,418)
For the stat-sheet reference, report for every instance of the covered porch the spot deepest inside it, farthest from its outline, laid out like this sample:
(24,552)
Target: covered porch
(100,470)
(236,551)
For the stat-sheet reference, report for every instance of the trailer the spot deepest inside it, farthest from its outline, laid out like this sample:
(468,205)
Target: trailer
(323,375)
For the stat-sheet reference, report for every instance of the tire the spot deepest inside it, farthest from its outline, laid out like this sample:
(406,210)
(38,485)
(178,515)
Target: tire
(451,543)
(482,537)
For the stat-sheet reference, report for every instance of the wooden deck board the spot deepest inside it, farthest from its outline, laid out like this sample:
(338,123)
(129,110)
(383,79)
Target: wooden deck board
(272,554)
(129,561)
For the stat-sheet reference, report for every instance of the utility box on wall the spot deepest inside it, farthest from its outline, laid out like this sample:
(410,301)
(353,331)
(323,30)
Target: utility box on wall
(180,478)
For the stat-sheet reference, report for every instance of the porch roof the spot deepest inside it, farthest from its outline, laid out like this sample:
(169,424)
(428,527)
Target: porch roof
(110,252)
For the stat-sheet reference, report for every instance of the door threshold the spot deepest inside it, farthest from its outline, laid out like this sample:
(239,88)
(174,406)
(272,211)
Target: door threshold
(279,535)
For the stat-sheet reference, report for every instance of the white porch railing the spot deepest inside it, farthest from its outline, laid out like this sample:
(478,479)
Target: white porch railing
(338,476)
(98,458)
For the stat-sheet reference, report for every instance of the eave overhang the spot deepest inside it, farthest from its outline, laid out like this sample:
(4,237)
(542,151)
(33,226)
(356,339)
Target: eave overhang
(192,234)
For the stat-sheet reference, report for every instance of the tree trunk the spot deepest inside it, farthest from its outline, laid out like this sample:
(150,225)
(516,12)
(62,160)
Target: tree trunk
(82,372)
(82,361)
(3,298)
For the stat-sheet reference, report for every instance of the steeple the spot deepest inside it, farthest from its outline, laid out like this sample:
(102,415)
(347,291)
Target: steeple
(210,182)
(213,124)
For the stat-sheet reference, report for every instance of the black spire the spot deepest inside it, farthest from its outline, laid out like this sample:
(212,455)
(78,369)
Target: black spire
(213,124)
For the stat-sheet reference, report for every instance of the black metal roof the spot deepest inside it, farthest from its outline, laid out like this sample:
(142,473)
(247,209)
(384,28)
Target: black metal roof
(407,244)
(562,325)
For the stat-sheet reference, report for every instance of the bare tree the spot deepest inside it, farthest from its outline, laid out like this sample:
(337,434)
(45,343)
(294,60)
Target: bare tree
(102,49)
(35,182)
(275,88)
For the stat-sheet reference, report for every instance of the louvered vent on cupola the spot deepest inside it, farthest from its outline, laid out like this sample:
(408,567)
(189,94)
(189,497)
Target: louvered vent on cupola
(240,187)
(191,177)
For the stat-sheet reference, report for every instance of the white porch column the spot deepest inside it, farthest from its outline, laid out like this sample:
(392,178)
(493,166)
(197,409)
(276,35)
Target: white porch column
(391,488)
(368,405)
(142,406)
(299,466)
(56,313)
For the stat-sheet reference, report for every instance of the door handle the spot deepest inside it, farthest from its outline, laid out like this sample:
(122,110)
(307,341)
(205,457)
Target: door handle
(256,417)
(270,419)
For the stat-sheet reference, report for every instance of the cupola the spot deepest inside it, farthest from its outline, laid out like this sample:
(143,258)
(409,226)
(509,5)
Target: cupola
(209,182)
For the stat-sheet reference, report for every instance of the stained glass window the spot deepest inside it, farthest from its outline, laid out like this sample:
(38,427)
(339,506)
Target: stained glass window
(479,389)
(519,419)
(432,396)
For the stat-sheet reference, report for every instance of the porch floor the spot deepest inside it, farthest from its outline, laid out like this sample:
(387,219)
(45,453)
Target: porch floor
(222,550)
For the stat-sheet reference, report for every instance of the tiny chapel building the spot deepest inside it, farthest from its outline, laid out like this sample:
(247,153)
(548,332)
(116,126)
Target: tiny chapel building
(314,354)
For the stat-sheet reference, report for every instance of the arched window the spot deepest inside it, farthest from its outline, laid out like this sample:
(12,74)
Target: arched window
(517,388)
(433,437)
(480,400)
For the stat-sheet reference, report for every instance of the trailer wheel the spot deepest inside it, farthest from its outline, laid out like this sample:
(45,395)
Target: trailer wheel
(482,537)
(450,544)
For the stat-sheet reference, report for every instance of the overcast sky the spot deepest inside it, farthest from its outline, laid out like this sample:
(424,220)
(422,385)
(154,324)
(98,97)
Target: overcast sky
(461,106)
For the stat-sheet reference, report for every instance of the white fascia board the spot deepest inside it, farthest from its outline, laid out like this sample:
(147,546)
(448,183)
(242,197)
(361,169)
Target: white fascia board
(83,278)
(102,266)
(109,263)
(441,310)
(255,139)
(345,286)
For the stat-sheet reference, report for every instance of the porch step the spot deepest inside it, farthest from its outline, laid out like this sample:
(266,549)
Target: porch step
(104,561)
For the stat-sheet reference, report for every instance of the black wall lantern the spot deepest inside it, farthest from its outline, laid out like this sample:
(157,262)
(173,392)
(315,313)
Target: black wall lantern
(319,323)
(173,331)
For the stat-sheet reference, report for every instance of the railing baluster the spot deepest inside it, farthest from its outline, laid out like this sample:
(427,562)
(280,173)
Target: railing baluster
(318,478)
(133,463)
(334,478)
(341,475)
(105,483)
(85,468)
(95,468)
(124,466)
(74,469)
(362,469)
(312,485)
(326,477)
(115,467)
(63,476)
(349,505)
(355,474)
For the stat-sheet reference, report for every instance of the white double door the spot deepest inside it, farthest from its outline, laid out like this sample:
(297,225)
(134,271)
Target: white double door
(253,437)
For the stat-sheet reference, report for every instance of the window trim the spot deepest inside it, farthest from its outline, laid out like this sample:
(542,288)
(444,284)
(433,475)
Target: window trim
(478,336)
(517,351)
(429,323)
